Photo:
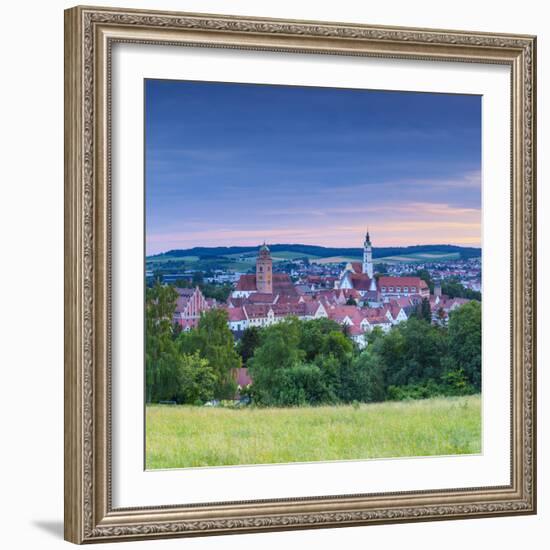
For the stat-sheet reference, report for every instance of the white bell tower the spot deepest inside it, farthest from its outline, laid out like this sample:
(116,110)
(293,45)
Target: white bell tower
(367,257)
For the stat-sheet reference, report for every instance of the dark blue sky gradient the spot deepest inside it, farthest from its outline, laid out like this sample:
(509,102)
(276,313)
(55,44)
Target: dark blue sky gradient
(239,163)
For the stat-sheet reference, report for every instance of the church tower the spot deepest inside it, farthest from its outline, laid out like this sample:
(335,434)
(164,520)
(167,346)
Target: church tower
(367,257)
(264,268)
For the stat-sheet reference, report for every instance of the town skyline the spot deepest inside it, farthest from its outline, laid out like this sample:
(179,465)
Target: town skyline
(236,164)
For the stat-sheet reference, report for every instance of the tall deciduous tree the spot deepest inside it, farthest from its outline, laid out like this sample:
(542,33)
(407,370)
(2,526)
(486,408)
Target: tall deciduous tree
(214,342)
(465,341)
(160,304)
(278,352)
(248,343)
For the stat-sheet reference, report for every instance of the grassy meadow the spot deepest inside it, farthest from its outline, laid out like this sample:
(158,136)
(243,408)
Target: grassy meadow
(186,436)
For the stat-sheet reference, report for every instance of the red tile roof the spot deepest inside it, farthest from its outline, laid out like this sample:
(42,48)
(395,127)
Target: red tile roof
(357,267)
(246,283)
(402,281)
(355,330)
(236,314)
(282,284)
(260,298)
(253,311)
(360,281)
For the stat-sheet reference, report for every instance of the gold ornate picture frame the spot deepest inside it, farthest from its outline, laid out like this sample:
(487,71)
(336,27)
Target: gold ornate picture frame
(90,34)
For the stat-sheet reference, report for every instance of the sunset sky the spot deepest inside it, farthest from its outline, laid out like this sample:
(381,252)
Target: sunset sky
(239,164)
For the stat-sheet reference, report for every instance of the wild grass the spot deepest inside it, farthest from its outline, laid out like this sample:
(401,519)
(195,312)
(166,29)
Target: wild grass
(185,436)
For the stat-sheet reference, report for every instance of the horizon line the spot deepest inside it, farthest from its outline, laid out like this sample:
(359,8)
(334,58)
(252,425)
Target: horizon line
(312,245)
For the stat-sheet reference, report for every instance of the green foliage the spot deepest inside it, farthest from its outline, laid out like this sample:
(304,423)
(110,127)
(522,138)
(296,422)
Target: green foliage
(213,341)
(248,343)
(303,385)
(186,367)
(279,351)
(312,335)
(456,383)
(412,352)
(465,342)
(357,380)
(454,289)
(300,362)
(195,380)
(335,344)
(160,304)
(426,310)
(351,301)
(423,390)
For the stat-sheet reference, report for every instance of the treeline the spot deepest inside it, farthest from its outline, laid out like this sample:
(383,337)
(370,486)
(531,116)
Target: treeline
(451,287)
(313,362)
(322,251)
(297,363)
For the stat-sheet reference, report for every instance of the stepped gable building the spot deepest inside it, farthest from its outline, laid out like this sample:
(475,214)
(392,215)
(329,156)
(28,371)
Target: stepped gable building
(189,306)
(264,281)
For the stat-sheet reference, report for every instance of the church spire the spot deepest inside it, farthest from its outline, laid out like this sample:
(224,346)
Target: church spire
(367,256)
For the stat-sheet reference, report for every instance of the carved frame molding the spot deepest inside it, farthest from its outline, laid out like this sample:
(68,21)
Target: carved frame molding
(89,35)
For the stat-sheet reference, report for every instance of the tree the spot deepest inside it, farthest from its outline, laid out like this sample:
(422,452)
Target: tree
(351,301)
(160,305)
(453,288)
(303,385)
(312,335)
(426,310)
(337,345)
(368,382)
(197,279)
(465,342)
(248,343)
(195,380)
(218,292)
(278,351)
(412,352)
(213,341)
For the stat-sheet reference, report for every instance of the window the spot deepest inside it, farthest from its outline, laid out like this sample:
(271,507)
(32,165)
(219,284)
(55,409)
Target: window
(413,289)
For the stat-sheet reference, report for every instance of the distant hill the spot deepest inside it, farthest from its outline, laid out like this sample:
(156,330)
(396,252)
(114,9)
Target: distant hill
(305,250)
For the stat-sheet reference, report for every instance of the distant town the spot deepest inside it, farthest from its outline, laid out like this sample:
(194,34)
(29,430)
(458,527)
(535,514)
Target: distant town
(358,295)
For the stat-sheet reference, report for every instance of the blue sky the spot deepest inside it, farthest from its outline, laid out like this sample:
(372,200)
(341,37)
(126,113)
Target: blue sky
(237,164)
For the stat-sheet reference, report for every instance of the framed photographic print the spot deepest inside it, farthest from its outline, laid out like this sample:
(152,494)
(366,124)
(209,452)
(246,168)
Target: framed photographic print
(300,274)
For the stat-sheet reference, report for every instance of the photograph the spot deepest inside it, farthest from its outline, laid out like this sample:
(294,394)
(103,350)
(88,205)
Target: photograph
(312,265)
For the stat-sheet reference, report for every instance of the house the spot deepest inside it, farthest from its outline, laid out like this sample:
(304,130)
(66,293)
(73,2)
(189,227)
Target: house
(398,287)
